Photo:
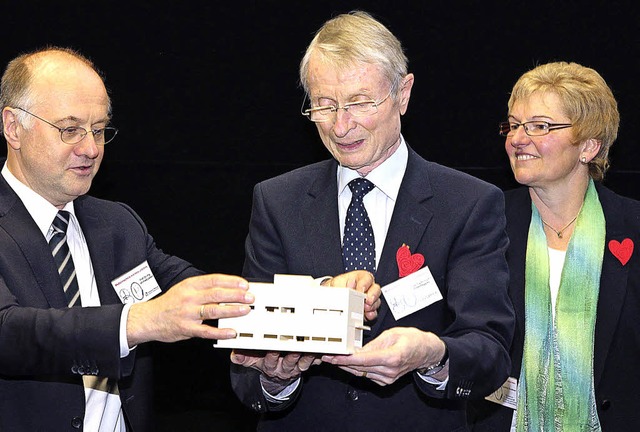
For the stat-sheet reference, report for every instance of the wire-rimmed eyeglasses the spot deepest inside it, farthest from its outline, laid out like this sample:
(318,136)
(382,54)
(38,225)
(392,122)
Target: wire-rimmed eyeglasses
(72,135)
(357,109)
(531,128)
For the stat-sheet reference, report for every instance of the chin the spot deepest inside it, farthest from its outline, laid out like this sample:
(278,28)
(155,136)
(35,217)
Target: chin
(523,181)
(354,159)
(79,190)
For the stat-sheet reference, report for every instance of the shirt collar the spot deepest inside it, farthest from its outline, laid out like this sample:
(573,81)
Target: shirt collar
(387,176)
(41,210)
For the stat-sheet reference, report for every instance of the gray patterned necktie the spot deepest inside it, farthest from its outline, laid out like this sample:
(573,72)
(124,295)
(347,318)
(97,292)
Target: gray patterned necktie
(62,257)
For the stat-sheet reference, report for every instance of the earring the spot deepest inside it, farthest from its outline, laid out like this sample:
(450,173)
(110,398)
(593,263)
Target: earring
(583,160)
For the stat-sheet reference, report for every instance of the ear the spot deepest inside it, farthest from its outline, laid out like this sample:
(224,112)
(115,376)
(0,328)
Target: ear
(590,149)
(10,124)
(405,93)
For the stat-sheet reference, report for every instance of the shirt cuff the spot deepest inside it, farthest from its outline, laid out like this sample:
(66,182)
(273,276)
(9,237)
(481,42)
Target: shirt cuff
(284,394)
(320,280)
(124,342)
(441,385)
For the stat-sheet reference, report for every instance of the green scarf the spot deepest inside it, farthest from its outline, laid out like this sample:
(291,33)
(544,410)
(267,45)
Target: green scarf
(556,390)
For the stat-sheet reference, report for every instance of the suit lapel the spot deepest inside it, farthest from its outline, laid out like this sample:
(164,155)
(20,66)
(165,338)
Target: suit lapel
(410,218)
(411,215)
(518,212)
(320,221)
(613,280)
(99,236)
(18,223)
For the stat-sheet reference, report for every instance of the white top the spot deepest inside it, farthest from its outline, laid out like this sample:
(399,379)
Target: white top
(556,262)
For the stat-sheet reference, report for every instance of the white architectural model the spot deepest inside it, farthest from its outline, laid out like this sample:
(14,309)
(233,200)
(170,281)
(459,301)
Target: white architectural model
(295,314)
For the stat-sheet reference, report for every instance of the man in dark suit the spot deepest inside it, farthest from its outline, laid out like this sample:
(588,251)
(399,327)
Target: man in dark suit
(437,233)
(64,367)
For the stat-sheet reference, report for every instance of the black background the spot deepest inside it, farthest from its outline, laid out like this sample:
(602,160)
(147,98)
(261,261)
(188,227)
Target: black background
(206,97)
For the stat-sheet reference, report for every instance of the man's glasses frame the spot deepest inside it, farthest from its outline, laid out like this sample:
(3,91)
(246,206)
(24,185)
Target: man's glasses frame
(72,135)
(364,108)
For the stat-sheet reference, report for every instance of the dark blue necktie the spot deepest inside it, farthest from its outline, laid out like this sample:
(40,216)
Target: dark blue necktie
(62,257)
(358,245)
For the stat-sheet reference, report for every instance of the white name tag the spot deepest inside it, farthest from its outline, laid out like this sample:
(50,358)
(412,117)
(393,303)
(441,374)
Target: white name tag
(411,293)
(136,285)
(507,394)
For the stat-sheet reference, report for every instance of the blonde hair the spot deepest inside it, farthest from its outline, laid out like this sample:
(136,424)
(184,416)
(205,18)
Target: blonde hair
(586,100)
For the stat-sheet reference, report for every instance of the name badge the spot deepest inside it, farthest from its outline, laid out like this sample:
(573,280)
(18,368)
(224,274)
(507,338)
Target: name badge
(411,293)
(506,395)
(137,285)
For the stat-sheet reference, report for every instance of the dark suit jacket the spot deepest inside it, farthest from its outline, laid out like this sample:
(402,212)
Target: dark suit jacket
(457,223)
(46,347)
(617,338)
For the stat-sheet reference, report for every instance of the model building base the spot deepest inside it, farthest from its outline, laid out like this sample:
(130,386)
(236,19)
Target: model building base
(296,314)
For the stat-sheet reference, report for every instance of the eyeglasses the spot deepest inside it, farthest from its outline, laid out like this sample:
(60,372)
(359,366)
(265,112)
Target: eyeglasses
(531,128)
(356,109)
(74,134)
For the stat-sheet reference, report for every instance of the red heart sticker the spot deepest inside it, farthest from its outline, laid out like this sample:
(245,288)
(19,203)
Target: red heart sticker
(623,250)
(408,263)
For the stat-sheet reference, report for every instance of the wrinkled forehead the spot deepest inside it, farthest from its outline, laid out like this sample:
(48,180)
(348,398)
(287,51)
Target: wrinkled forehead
(352,77)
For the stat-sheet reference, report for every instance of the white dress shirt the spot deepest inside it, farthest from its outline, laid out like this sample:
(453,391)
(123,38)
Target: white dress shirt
(387,178)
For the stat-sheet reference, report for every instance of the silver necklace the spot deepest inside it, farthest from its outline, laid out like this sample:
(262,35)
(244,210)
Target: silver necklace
(559,233)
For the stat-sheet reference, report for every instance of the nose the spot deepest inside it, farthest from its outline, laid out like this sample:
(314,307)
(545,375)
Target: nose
(343,122)
(87,147)
(519,137)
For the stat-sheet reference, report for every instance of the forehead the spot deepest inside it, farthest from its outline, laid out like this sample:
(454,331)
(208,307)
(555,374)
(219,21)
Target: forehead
(538,104)
(67,84)
(327,79)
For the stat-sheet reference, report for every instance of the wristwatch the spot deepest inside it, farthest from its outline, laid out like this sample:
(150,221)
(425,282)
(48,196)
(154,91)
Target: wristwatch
(437,367)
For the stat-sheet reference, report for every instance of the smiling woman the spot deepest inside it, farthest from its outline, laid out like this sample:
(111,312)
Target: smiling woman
(569,279)
(547,156)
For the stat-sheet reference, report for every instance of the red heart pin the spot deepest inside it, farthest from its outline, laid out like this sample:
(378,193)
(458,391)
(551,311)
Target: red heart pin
(623,250)
(407,262)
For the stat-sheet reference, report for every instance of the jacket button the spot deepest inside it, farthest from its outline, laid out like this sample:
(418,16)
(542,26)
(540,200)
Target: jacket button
(76,422)
(352,395)
(605,405)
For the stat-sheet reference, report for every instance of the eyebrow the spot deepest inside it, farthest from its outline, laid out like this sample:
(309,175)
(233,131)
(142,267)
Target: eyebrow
(79,120)
(367,92)
(534,118)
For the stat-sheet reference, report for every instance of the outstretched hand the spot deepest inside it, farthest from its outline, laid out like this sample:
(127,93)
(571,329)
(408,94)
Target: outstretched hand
(179,313)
